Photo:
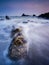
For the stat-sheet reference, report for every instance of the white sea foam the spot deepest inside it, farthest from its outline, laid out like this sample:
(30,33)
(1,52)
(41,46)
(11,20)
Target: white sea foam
(35,31)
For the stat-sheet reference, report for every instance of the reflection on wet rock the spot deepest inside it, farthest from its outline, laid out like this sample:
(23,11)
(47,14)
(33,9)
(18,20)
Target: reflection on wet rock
(17,48)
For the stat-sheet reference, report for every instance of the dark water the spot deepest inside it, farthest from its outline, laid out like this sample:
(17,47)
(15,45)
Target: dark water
(36,32)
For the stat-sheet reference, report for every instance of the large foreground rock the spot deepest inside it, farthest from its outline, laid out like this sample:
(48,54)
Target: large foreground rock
(17,48)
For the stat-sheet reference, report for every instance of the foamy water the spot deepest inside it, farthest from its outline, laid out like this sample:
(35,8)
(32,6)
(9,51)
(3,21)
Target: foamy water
(35,31)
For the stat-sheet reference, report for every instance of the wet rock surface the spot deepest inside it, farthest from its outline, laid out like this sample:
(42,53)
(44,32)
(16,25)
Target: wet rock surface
(17,48)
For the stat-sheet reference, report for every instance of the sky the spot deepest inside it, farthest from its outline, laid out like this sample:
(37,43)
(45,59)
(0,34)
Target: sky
(18,7)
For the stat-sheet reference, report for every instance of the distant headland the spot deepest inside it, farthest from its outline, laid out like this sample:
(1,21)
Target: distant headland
(44,15)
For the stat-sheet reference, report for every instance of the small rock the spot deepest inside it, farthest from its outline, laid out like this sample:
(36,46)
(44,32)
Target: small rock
(7,17)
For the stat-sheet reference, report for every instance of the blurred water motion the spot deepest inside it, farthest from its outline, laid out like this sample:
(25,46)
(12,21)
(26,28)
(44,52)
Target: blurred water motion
(36,34)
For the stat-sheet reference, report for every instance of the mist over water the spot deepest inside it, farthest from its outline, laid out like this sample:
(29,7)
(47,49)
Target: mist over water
(36,33)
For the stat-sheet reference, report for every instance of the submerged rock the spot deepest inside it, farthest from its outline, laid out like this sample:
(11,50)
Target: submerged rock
(25,22)
(17,48)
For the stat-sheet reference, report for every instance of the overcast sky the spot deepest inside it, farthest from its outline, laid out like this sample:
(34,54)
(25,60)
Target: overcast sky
(17,7)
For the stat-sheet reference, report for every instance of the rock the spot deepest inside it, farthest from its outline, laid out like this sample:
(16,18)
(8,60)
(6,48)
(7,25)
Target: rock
(34,15)
(45,15)
(7,17)
(25,22)
(25,15)
(14,31)
(17,48)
